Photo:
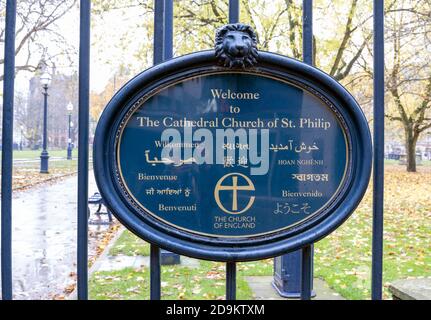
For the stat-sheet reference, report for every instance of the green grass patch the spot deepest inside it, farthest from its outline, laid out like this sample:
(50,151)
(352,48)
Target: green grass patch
(177,282)
(342,259)
(397,163)
(130,245)
(35,154)
(68,165)
(256,268)
(27,174)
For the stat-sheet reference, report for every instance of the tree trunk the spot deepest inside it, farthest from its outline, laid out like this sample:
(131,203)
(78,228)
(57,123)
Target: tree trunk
(411,140)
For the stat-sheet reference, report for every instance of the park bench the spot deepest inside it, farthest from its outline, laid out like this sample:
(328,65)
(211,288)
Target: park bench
(97,199)
(411,289)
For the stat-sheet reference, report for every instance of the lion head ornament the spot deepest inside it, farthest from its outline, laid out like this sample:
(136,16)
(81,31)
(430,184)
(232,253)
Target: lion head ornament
(236,46)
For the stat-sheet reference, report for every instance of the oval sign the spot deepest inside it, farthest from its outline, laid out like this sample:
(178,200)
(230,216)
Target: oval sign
(232,164)
(232,155)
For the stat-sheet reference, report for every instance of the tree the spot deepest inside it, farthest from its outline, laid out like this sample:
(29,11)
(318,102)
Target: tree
(342,39)
(100,100)
(29,110)
(29,120)
(409,72)
(279,28)
(35,21)
(278,24)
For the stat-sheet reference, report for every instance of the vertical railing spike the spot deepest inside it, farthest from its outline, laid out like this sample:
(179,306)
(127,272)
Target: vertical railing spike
(7,151)
(231,266)
(233,11)
(307,45)
(83,152)
(230,281)
(379,141)
(163,50)
(169,27)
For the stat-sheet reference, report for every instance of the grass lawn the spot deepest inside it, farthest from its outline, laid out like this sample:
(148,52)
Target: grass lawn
(205,282)
(26,173)
(26,167)
(397,163)
(178,282)
(130,245)
(35,154)
(343,259)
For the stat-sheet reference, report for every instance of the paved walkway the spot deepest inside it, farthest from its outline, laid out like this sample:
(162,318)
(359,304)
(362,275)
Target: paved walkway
(44,238)
(261,286)
(44,245)
(263,290)
(106,262)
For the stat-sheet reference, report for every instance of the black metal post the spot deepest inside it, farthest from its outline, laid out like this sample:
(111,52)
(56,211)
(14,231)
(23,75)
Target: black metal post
(7,151)
(306,273)
(44,156)
(69,140)
(155,289)
(169,30)
(287,268)
(84,115)
(231,266)
(230,281)
(307,25)
(21,143)
(166,257)
(233,11)
(307,43)
(159,31)
(159,13)
(379,143)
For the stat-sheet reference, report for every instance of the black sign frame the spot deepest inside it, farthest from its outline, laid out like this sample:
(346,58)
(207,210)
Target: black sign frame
(227,249)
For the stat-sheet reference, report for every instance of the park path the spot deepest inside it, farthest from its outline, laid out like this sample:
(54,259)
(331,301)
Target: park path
(44,238)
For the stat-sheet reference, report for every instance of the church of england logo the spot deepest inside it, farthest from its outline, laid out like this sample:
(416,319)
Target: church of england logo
(231,183)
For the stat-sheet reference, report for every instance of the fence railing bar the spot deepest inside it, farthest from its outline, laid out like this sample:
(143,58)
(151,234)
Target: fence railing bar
(83,152)
(169,30)
(158,57)
(307,52)
(159,30)
(155,280)
(306,272)
(233,11)
(307,25)
(231,266)
(230,281)
(7,151)
(379,141)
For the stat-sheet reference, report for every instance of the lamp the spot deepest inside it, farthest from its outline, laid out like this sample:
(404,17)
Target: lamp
(45,80)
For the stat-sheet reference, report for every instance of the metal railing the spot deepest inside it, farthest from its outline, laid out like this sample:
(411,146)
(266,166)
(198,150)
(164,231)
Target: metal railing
(163,50)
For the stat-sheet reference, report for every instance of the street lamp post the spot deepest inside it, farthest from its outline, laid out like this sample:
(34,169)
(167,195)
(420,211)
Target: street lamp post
(69,145)
(21,142)
(45,80)
(428,144)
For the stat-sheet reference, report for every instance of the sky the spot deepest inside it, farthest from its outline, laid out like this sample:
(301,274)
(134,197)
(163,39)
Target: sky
(109,50)
(106,53)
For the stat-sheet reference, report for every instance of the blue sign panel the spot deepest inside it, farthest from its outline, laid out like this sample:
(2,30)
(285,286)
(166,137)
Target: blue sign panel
(232,157)
(232,154)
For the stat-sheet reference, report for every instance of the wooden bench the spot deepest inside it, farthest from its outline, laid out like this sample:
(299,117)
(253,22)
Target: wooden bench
(411,289)
(97,199)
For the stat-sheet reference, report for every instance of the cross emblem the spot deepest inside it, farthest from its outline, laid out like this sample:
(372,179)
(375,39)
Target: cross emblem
(234,188)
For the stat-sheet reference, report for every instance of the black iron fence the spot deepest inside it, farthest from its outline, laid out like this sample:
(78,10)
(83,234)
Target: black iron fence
(163,50)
